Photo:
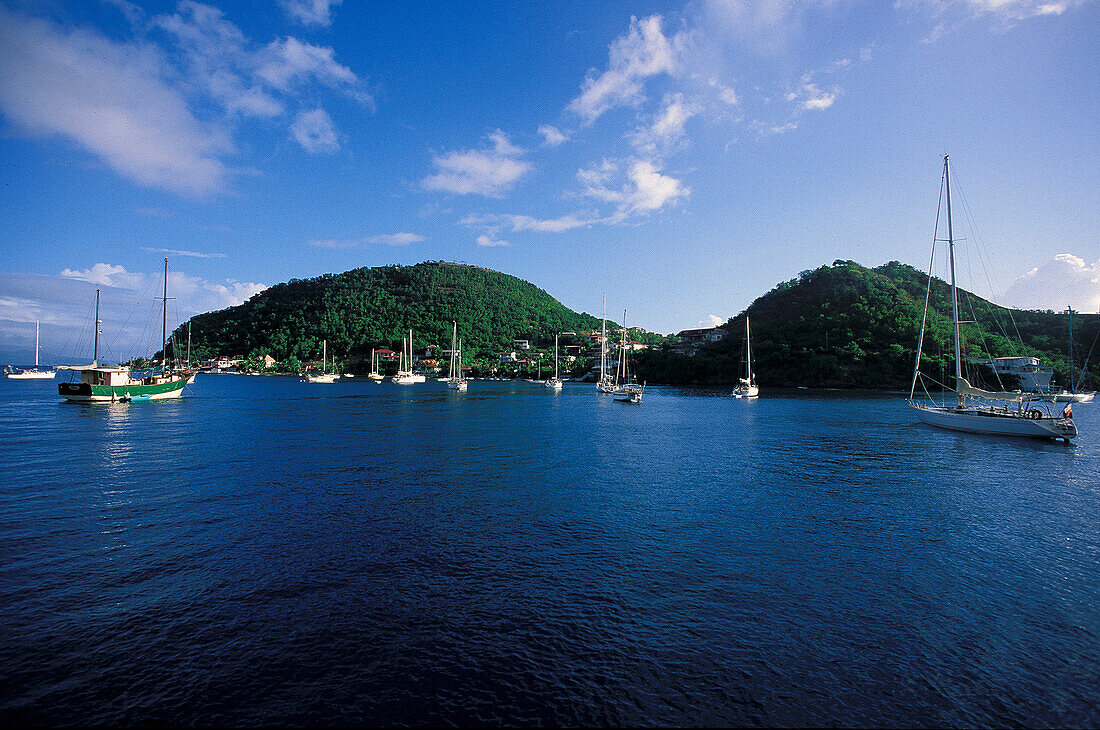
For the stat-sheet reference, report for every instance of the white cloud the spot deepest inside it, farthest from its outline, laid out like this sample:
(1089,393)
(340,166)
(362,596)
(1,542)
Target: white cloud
(667,127)
(106,275)
(643,52)
(1006,10)
(332,243)
(1067,280)
(310,12)
(395,239)
(487,240)
(110,99)
(551,135)
(644,191)
(313,130)
(517,223)
(284,64)
(487,172)
(712,320)
(808,97)
(191,254)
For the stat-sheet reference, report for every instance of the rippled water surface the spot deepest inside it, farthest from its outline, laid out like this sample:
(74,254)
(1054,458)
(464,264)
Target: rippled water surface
(264,551)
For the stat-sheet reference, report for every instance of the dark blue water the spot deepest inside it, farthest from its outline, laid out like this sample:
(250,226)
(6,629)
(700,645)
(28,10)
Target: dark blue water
(268,552)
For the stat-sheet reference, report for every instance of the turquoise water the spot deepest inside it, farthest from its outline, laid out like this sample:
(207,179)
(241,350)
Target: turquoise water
(264,551)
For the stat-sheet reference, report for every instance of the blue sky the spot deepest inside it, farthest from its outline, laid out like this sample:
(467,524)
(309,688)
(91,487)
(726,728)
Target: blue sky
(682,158)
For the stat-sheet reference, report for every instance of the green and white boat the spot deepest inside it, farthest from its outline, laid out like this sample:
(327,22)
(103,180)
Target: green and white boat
(109,384)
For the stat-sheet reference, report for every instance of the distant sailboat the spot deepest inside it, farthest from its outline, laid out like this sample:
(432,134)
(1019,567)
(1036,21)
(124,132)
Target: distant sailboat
(35,373)
(747,387)
(980,411)
(405,374)
(374,374)
(455,381)
(606,383)
(626,390)
(1073,395)
(554,383)
(323,377)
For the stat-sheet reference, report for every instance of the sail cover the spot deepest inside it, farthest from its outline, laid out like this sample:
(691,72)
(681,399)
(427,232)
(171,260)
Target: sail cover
(963,387)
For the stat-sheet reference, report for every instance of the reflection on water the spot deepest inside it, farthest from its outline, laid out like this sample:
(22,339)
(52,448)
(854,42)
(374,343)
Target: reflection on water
(265,552)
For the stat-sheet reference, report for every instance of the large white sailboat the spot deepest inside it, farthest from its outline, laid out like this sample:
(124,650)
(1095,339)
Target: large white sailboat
(746,388)
(31,374)
(455,381)
(626,390)
(323,377)
(554,383)
(606,383)
(405,374)
(975,410)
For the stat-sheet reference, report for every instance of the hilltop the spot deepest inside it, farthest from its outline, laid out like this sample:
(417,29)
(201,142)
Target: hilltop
(376,307)
(849,326)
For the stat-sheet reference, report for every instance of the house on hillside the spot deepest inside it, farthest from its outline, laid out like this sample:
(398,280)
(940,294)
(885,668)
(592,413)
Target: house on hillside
(691,340)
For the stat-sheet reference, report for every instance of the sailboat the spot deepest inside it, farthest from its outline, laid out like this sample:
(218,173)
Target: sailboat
(405,374)
(746,388)
(100,383)
(323,377)
(626,390)
(34,374)
(1073,395)
(554,383)
(455,381)
(606,383)
(976,410)
(374,374)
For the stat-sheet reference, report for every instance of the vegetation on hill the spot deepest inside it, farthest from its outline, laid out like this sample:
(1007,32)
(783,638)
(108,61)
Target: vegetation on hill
(852,327)
(376,307)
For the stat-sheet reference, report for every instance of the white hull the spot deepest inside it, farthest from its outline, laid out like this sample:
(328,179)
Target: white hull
(553,384)
(329,378)
(996,423)
(31,375)
(750,392)
(1075,397)
(629,394)
(408,379)
(459,385)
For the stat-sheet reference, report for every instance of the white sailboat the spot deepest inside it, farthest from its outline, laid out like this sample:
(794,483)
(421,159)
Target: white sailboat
(35,373)
(746,388)
(975,410)
(1073,395)
(606,383)
(374,374)
(554,383)
(323,377)
(455,381)
(405,374)
(626,390)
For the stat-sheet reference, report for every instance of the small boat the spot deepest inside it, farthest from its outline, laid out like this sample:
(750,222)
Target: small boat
(323,377)
(746,388)
(975,410)
(455,381)
(554,383)
(102,384)
(407,376)
(34,373)
(374,374)
(626,390)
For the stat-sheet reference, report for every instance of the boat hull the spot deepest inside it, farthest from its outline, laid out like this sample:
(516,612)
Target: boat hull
(87,393)
(996,424)
(31,375)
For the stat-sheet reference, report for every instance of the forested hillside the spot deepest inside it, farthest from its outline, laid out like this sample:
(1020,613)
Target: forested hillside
(376,307)
(849,326)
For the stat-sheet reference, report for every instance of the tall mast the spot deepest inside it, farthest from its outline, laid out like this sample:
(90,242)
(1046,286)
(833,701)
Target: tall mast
(36,342)
(603,339)
(954,288)
(164,321)
(1073,387)
(95,346)
(188,343)
(748,348)
(555,356)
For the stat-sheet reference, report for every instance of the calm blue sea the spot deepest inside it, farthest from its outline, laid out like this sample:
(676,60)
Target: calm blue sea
(270,552)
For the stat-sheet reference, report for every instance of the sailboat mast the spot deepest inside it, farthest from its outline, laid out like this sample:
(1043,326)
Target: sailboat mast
(748,348)
(954,288)
(1072,385)
(36,342)
(95,345)
(603,339)
(164,321)
(188,343)
(555,356)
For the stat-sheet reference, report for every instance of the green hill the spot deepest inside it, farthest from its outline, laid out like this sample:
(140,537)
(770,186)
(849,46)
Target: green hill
(376,307)
(849,326)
